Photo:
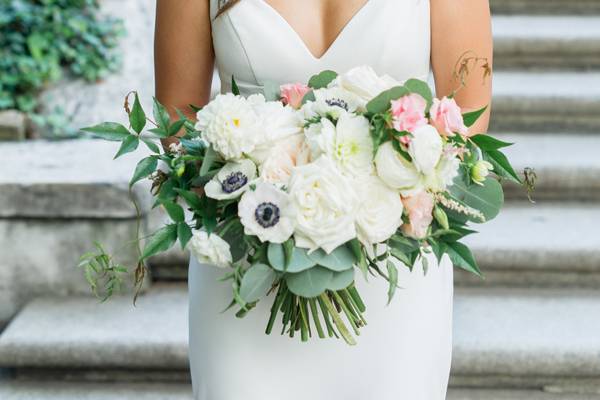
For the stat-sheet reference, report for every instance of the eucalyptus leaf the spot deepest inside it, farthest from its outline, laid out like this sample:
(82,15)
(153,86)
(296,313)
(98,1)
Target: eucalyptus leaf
(322,79)
(382,102)
(271,91)
(341,279)
(309,283)
(487,198)
(340,259)
(209,158)
(421,88)
(299,260)
(256,282)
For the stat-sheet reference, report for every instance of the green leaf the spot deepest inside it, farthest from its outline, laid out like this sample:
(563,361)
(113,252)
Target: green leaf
(341,280)
(487,198)
(501,165)
(299,260)
(393,279)
(145,167)
(209,158)
(129,144)
(322,79)
(382,102)
(309,283)
(109,131)
(184,233)
(191,198)
(310,96)
(438,248)
(234,87)
(151,145)
(340,259)
(256,282)
(161,241)
(421,88)
(462,257)
(487,142)
(235,237)
(176,127)
(403,244)
(137,117)
(471,117)
(162,118)
(174,210)
(271,91)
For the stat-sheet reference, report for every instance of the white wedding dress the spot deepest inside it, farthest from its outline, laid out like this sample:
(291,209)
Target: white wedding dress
(404,351)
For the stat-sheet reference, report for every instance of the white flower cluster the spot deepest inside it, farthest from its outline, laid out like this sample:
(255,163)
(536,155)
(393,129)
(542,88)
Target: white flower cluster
(310,172)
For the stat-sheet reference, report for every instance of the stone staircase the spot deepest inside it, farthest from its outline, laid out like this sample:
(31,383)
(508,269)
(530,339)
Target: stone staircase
(530,330)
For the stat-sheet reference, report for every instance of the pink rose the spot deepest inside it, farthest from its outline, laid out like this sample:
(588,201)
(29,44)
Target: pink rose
(293,93)
(447,118)
(419,208)
(409,113)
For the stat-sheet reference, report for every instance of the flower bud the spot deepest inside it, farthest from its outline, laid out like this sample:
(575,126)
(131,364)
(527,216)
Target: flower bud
(441,217)
(480,171)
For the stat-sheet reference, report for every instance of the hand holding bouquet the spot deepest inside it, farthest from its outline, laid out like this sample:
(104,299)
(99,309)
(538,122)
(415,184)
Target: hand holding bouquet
(299,189)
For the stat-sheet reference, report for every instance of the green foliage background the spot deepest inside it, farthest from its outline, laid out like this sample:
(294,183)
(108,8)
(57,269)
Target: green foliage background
(42,39)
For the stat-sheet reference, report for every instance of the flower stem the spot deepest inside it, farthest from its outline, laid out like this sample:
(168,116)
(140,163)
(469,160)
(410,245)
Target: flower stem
(356,297)
(337,319)
(313,310)
(330,331)
(351,318)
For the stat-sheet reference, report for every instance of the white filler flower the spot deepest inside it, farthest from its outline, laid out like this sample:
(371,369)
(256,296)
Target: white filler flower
(231,181)
(327,202)
(266,212)
(380,211)
(348,143)
(210,249)
(230,124)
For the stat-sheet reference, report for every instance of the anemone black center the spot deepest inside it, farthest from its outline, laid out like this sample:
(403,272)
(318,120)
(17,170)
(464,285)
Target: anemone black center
(233,182)
(337,103)
(267,214)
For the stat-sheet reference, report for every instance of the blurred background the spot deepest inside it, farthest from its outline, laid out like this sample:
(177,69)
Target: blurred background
(530,330)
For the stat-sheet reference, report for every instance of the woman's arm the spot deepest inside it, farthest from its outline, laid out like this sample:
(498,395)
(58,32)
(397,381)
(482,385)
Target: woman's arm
(459,28)
(183,54)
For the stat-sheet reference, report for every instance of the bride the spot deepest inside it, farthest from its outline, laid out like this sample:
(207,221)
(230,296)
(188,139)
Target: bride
(404,353)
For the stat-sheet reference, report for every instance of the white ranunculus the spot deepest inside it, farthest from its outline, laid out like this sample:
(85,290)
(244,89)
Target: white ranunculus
(210,249)
(327,202)
(396,171)
(349,144)
(380,212)
(425,148)
(267,212)
(315,139)
(230,125)
(330,102)
(365,83)
(232,180)
(283,156)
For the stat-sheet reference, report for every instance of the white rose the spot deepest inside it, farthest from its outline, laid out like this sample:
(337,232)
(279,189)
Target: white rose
(283,156)
(210,249)
(326,203)
(349,144)
(330,102)
(365,83)
(396,171)
(425,148)
(380,212)
(229,123)
(444,173)
(267,212)
(231,181)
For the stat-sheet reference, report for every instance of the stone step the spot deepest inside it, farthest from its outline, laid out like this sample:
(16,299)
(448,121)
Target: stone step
(526,41)
(521,339)
(560,7)
(546,102)
(543,245)
(486,394)
(60,390)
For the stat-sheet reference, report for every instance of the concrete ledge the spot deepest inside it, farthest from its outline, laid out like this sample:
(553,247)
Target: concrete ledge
(68,179)
(482,394)
(546,41)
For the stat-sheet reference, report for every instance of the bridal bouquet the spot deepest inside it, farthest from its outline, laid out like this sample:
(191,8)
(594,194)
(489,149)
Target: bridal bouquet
(297,190)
